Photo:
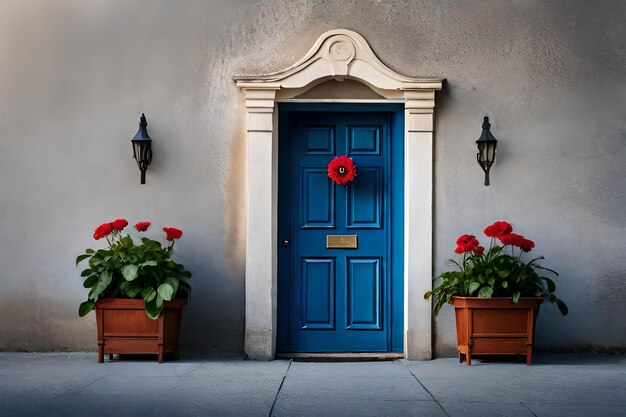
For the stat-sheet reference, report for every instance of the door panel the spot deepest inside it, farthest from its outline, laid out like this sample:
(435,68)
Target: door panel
(364,294)
(318,293)
(319,140)
(339,299)
(365,199)
(318,205)
(364,140)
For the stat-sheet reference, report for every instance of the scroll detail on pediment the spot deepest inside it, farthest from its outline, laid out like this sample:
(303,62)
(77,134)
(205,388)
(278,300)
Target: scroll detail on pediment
(336,54)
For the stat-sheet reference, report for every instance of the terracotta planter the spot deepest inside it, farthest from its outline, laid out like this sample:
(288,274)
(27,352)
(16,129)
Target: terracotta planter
(495,326)
(124,328)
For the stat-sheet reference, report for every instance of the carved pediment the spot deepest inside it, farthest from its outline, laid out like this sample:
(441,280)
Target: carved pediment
(338,54)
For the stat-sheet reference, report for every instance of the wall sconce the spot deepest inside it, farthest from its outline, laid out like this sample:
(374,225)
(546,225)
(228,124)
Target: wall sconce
(142,147)
(486,149)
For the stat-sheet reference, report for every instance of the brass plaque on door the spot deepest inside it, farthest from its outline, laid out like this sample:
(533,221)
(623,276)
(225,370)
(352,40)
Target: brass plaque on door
(341,242)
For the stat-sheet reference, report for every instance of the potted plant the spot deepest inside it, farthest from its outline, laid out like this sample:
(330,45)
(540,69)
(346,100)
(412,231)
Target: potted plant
(495,294)
(137,290)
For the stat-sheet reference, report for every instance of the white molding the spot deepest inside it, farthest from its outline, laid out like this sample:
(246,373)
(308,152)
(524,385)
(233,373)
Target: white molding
(337,55)
(337,100)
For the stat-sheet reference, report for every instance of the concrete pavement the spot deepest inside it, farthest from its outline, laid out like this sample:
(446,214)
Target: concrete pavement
(76,385)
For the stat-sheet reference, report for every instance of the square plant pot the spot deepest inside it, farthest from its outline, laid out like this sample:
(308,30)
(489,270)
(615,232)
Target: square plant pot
(495,326)
(124,328)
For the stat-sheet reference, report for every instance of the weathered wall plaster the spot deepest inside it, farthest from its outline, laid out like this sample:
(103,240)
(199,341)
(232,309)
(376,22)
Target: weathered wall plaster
(75,77)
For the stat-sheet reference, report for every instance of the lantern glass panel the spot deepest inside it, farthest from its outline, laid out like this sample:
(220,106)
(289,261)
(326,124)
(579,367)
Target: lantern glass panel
(482,151)
(490,152)
(137,151)
(145,150)
(143,153)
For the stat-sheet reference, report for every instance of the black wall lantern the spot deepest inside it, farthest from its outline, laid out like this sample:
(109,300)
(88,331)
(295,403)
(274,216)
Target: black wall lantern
(486,149)
(142,147)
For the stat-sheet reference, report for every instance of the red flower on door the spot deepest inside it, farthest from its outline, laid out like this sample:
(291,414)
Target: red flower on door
(342,170)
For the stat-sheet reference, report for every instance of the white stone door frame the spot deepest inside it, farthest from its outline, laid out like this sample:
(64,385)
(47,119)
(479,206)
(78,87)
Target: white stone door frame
(337,55)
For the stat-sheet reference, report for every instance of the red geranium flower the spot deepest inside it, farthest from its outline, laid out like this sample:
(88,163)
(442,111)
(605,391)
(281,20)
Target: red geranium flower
(516,240)
(172,233)
(103,230)
(479,250)
(498,229)
(342,170)
(510,239)
(526,245)
(466,243)
(142,226)
(464,239)
(119,224)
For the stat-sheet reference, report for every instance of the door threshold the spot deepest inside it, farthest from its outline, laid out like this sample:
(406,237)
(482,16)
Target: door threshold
(340,356)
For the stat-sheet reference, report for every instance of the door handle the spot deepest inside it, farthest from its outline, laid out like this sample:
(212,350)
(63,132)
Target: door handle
(285,243)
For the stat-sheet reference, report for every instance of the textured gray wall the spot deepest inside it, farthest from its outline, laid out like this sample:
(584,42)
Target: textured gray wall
(76,75)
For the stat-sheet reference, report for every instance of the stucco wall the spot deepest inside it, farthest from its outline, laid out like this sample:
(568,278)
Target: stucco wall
(76,75)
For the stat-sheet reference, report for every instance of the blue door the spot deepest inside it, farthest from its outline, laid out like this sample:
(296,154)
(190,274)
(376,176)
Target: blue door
(333,298)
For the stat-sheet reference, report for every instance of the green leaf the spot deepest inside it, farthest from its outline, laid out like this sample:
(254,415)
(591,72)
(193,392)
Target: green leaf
(535,260)
(81,258)
(148,294)
(158,301)
(148,263)
(174,283)
(491,281)
(94,262)
(89,251)
(505,284)
(165,291)
(85,308)
(562,307)
(103,282)
(130,272)
(132,289)
(473,287)
(91,281)
(546,269)
(516,296)
(86,272)
(496,250)
(551,284)
(485,292)
(126,242)
(427,295)
(152,310)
